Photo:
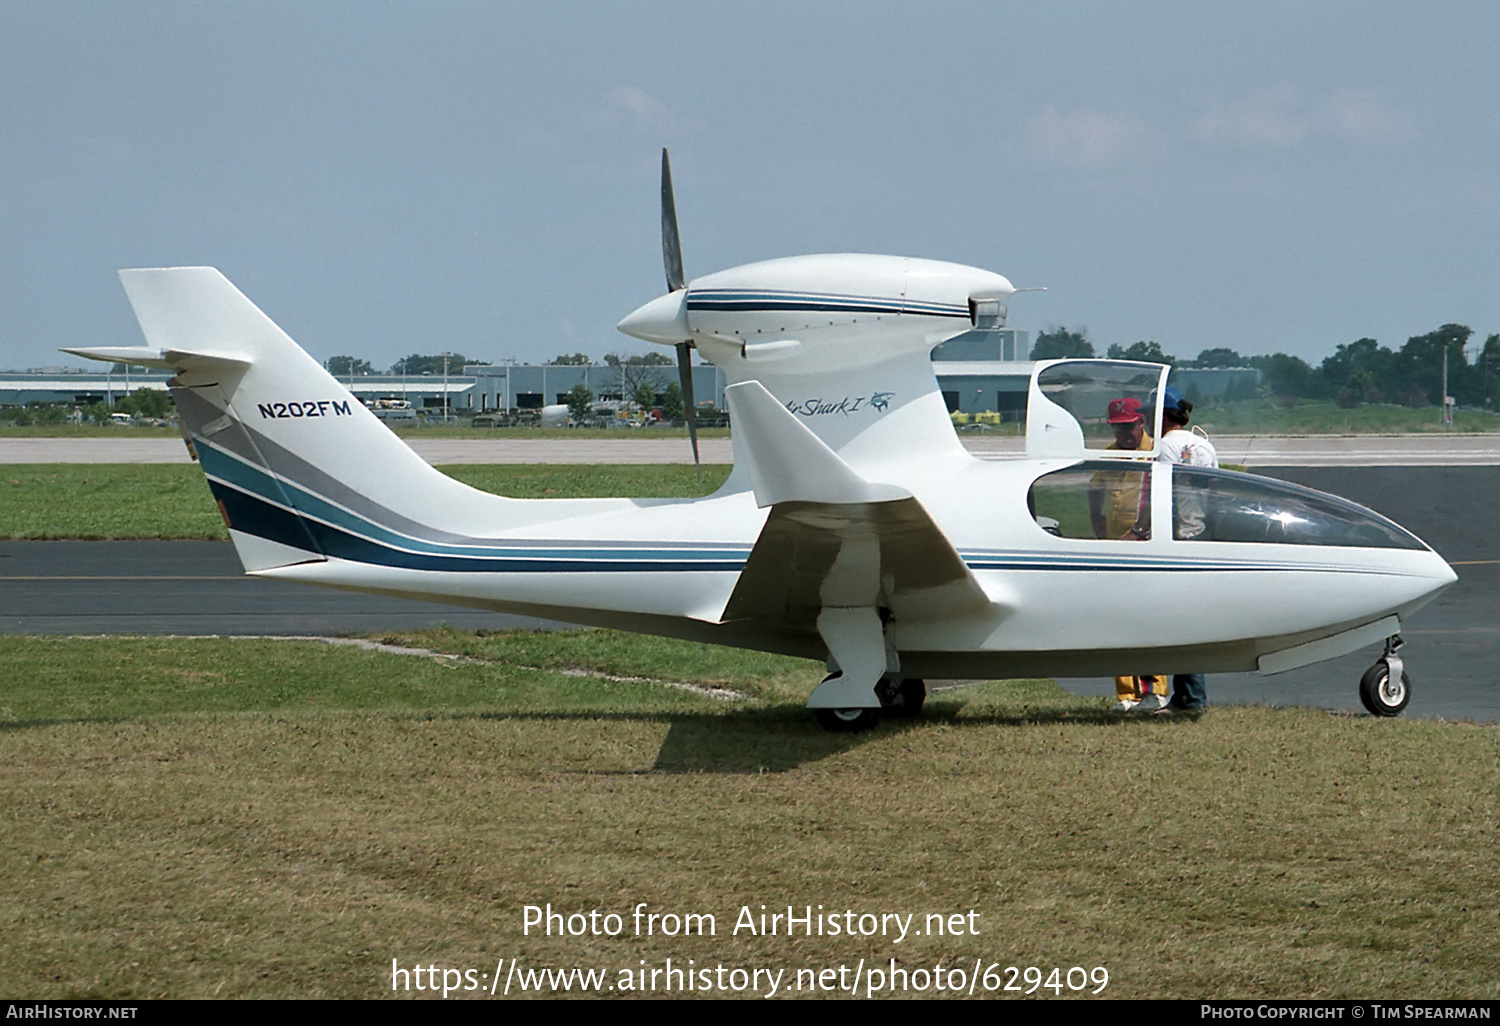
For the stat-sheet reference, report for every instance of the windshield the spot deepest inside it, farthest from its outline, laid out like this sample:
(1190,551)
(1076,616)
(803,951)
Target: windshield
(1221,505)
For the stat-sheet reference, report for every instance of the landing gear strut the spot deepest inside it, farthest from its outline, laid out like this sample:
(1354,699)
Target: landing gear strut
(1385,688)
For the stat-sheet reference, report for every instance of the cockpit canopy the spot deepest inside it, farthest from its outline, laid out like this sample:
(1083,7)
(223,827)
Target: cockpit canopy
(1246,508)
(1111,500)
(1073,408)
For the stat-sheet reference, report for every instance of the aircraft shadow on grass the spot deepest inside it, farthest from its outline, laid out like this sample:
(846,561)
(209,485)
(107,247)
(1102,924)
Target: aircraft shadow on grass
(779,738)
(773,739)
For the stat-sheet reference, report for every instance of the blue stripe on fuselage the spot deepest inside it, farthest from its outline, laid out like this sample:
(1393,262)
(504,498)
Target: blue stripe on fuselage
(750,300)
(252,515)
(251,500)
(248,482)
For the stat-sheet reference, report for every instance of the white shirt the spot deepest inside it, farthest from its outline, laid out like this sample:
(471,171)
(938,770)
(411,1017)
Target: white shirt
(1182,446)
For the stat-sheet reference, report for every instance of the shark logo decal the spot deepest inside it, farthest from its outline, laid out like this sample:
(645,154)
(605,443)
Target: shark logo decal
(820,407)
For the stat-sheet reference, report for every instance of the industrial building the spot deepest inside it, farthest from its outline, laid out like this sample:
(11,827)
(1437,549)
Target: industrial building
(978,372)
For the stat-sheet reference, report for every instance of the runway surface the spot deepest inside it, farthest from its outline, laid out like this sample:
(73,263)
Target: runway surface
(191,587)
(1256,451)
(155,587)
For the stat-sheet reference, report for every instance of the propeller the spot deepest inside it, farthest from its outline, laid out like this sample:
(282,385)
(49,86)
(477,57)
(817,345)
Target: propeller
(671,253)
(671,243)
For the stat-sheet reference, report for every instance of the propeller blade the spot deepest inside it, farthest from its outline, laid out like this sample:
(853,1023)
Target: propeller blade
(671,245)
(689,407)
(671,254)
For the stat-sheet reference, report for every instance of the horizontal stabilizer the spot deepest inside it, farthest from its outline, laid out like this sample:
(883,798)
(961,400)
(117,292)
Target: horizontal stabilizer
(167,359)
(786,461)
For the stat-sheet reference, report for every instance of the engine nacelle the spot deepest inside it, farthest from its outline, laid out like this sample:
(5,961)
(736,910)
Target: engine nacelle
(815,314)
(842,339)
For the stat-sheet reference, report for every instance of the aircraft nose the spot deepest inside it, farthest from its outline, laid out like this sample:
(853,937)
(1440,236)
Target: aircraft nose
(662,320)
(1438,576)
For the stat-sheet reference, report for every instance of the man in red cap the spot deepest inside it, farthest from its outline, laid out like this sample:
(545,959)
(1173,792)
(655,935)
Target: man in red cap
(1120,501)
(1120,506)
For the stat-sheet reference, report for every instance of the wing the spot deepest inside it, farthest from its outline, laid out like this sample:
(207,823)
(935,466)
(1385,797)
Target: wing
(833,538)
(887,554)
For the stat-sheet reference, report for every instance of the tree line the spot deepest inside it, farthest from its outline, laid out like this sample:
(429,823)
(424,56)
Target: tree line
(143,402)
(1358,372)
(418,364)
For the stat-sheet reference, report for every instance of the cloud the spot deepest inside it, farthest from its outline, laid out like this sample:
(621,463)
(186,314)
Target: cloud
(1359,117)
(631,109)
(1080,138)
(1279,117)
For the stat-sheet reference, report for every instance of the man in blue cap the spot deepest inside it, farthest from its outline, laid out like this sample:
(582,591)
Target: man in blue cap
(1178,444)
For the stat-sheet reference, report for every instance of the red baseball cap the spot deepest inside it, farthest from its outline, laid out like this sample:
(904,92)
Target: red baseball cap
(1125,411)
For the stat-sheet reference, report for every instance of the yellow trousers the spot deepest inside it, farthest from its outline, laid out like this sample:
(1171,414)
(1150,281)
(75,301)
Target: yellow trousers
(1133,689)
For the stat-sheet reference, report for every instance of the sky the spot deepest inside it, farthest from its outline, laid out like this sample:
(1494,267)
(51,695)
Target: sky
(385,178)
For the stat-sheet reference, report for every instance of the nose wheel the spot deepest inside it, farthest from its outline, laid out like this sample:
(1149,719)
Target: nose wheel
(1385,688)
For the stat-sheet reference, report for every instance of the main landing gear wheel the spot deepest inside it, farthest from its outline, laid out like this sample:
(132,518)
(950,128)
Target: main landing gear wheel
(847,721)
(1383,694)
(902,697)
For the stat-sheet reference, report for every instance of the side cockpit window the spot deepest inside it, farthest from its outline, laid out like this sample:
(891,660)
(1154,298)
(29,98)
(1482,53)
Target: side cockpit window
(1094,500)
(1217,505)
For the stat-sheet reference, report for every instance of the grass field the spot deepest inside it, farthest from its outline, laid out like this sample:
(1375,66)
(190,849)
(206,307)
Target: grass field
(254,818)
(8,430)
(170,500)
(1272,417)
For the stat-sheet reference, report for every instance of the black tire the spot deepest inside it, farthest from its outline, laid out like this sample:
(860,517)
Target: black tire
(1379,696)
(847,721)
(902,698)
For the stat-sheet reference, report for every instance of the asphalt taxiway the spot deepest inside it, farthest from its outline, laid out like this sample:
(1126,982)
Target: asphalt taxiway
(192,588)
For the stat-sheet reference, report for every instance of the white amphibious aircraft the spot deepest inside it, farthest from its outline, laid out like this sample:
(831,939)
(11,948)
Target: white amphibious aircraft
(854,528)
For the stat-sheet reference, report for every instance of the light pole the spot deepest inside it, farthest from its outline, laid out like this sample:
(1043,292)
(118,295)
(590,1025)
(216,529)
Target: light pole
(1447,419)
(445,386)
